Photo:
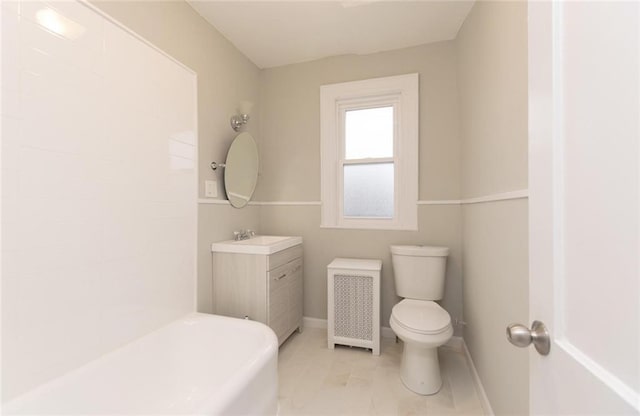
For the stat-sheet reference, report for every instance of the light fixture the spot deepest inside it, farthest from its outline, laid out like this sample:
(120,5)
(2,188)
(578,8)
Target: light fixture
(238,120)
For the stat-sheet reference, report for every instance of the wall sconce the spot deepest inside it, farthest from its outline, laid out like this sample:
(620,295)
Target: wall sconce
(238,120)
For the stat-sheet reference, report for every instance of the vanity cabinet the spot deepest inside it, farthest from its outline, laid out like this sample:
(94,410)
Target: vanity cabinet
(263,287)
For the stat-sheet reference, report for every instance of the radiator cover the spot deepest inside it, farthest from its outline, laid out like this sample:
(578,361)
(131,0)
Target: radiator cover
(354,303)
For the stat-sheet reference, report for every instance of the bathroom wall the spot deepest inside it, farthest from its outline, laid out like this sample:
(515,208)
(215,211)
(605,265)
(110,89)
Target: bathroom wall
(225,77)
(290,114)
(492,81)
(99,171)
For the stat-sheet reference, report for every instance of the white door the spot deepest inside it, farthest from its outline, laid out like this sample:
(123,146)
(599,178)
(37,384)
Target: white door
(584,130)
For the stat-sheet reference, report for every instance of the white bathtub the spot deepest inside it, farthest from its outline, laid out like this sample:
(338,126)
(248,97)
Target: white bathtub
(200,364)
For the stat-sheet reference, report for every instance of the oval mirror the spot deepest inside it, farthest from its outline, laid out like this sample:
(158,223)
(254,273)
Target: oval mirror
(241,171)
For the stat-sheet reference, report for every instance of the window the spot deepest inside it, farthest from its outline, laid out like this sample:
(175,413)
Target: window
(369,150)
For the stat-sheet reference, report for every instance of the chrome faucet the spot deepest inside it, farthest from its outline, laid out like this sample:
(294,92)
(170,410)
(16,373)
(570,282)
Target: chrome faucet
(243,234)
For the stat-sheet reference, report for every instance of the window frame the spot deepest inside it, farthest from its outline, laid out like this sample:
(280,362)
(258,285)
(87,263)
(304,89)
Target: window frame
(335,99)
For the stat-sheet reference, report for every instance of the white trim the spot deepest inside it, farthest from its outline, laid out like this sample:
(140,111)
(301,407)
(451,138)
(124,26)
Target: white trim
(283,203)
(482,394)
(504,196)
(520,194)
(440,202)
(309,322)
(402,90)
(369,226)
(456,344)
(213,201)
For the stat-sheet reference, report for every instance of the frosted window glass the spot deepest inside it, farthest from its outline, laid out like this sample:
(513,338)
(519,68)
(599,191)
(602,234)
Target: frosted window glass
(369,133)
(368,190)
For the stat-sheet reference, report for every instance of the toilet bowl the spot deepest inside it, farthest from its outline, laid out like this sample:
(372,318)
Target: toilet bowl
(421,323)
(423,326)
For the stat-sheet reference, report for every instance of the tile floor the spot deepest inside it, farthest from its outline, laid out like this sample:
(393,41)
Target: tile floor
(315,380)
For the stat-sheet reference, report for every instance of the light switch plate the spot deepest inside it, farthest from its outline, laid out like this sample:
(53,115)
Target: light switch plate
(211,189)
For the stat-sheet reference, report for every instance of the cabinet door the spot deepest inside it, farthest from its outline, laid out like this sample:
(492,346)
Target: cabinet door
(239,286)
(281,283)
(279,311)
(295,297)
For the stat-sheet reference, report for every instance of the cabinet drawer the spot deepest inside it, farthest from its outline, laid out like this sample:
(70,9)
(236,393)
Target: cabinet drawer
(280,276)
(283,257)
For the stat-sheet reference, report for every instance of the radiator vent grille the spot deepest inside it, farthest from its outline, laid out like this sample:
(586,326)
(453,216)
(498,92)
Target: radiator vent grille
(353,306)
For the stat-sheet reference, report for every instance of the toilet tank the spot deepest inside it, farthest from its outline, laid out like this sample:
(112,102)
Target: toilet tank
(419,271)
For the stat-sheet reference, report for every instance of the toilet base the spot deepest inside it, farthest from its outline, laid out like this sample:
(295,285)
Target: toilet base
(420,369)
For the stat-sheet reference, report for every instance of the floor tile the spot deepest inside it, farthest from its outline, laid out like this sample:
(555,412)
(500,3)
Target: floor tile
(316,380)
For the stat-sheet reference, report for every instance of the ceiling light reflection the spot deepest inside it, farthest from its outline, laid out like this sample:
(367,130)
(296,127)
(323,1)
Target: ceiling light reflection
(59,24)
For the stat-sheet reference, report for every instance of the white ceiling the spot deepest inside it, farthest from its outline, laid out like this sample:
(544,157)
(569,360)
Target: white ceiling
(274,33)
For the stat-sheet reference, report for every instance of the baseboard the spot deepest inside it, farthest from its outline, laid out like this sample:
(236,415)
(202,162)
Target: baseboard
(314,322)
(455,344)
(484,400)
(385,331)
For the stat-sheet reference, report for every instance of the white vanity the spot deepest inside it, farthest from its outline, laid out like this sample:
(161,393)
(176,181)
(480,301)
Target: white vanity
(260,278)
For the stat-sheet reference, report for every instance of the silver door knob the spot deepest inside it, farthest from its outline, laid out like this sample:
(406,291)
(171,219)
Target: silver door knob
(521,336)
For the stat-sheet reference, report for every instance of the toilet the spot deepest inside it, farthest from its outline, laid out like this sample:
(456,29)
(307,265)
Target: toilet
(418,320)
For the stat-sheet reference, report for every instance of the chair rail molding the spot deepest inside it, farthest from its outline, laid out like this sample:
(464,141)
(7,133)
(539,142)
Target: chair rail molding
(503,196)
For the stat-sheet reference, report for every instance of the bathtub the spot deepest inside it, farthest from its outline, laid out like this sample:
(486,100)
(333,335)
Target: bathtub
(201,364)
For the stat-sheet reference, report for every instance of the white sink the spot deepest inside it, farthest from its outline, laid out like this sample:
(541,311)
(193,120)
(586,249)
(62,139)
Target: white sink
(260,244)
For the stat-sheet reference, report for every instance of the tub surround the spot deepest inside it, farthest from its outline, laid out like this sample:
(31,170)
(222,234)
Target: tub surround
(104,251)
(225,78)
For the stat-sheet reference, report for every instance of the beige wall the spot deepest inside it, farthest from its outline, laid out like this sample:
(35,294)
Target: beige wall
(492,81)
(225,77)
(290,98)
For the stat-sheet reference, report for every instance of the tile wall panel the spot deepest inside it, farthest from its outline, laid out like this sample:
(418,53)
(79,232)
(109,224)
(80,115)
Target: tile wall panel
(99,189)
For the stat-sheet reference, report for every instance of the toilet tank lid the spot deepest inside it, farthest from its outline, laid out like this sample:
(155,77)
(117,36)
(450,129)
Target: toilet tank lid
(425,251)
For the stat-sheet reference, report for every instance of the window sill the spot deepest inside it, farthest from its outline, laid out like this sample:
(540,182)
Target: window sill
(371,228)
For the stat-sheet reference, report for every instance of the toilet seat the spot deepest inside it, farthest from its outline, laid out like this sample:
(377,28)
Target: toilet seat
(421,317)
